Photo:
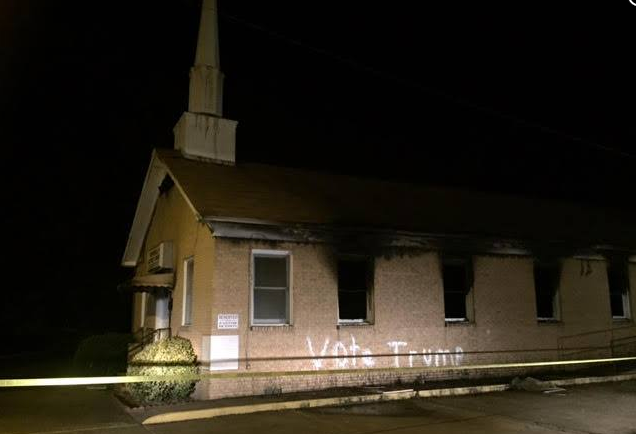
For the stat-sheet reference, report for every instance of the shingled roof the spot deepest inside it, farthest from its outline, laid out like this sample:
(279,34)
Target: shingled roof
(284,195)
(281,195)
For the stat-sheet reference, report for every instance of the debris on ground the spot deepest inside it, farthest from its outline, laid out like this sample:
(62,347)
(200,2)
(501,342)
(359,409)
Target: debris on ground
(530,384)
(557,390)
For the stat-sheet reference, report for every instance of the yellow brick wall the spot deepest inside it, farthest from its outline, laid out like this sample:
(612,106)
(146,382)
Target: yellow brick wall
(408,306)
(175,221)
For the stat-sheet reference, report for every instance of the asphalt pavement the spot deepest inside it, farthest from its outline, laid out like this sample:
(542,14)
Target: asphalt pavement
(599,408)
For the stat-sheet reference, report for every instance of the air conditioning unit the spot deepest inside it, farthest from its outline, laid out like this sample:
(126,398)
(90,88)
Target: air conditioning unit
(160,257)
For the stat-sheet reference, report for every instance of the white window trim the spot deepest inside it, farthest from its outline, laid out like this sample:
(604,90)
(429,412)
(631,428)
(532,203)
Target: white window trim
(627,311)
(271,253)
(183,299)
(354,321)
(464,319)
(625,296)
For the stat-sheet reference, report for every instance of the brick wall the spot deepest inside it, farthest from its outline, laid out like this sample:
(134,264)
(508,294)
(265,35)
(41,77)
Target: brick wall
(408,315)
(175,221)
(408,310)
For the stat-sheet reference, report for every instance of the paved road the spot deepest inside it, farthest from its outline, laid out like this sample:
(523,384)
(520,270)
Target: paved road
(605,408)
(63,410)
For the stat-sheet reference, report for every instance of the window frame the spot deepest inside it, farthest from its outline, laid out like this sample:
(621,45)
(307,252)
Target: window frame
(186,277)
(468,263)
(626,293)
(272,254)
(370,279)
(556,301)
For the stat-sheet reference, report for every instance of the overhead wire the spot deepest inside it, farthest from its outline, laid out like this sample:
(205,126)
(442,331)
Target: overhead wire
(353,63)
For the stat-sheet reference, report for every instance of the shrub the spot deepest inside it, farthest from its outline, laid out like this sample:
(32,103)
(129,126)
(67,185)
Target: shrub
(102,354)
(173,356)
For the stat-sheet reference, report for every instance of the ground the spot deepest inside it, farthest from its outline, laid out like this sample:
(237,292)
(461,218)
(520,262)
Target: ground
(600,408)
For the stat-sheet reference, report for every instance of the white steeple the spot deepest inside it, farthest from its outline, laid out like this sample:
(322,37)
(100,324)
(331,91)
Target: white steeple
(208,41)
(206,80)
(202,132)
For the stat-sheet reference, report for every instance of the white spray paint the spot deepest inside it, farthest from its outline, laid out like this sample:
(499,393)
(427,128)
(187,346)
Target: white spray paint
(338,347)
(354,348)
(317,362)
(442,353)
(411,352)
(396,350)
(427,357)
(367,360)
(459,356)
(354,352)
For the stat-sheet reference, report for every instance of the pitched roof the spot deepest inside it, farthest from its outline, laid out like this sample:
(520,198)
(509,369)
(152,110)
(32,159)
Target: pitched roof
(284,195)
(270,194)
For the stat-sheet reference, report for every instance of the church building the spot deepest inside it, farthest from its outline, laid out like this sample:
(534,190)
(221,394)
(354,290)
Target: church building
(352,281)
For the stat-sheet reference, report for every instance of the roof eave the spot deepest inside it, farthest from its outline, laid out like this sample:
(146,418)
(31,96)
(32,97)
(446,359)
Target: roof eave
(261,230)
(145,208)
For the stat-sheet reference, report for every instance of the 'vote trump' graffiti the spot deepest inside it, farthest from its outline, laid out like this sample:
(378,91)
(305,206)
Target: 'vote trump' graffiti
(350,355)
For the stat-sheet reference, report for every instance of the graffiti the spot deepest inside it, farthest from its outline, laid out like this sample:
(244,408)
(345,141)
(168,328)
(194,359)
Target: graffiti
(368,361)
(441,357)
(395,345)
(317,362)
(340,349)
(411,354)
(354,356)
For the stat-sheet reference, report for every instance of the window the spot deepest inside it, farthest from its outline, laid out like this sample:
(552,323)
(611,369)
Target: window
(270,295)
(188,278)
(355,277)
(457,281)
(546,287)
(619,289)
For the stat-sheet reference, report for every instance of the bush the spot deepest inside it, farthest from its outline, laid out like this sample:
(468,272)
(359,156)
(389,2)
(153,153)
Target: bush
(173,356)
(102,354)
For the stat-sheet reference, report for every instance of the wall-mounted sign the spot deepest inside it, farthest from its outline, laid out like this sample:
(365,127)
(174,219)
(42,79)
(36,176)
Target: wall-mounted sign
(227,321)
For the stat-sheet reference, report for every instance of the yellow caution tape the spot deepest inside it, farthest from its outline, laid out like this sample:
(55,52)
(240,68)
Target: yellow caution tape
(76,381)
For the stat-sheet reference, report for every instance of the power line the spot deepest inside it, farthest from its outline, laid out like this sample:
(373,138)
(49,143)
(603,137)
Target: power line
(427,89)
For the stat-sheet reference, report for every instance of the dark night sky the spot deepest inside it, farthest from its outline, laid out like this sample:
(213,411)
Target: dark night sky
(519,99)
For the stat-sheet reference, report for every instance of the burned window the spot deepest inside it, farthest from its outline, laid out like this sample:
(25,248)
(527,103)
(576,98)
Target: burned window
(270,298)
(355,277)
(188,282)
(457,280)
(546,286)
(619,289)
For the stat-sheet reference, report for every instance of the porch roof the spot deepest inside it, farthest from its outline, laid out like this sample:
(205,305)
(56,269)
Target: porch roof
(149,282)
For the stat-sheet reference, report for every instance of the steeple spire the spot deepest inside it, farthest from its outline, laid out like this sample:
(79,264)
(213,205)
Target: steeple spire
(202,132)
(208,41)
(206,79)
